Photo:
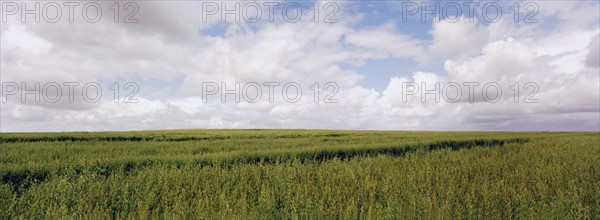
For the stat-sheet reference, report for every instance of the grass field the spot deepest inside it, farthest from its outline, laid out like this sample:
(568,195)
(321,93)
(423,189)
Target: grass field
(300,174)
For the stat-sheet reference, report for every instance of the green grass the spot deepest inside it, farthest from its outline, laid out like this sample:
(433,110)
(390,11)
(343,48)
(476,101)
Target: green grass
(300,174)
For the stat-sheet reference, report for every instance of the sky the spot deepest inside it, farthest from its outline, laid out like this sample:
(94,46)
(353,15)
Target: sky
(376,65)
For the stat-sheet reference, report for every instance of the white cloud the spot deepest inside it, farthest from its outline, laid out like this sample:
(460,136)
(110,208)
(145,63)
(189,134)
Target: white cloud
(384,42)
(170,45)
(458,40)
(593,56)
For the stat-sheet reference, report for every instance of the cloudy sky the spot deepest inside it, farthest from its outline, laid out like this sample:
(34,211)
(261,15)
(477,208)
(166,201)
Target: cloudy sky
(359,65)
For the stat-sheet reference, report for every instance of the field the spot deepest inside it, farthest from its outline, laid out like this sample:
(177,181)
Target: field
(298,174)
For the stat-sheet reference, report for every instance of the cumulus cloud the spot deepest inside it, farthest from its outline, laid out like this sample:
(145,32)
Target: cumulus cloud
(387,43)
(593,57)
(170,53)
(460,39)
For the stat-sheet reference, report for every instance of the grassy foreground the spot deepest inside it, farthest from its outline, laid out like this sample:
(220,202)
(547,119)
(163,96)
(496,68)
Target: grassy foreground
(300,174)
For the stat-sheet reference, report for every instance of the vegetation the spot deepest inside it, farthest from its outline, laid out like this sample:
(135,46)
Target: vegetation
(299,174)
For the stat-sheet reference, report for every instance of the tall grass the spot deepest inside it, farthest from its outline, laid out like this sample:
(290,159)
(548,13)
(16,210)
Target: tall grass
(300,174)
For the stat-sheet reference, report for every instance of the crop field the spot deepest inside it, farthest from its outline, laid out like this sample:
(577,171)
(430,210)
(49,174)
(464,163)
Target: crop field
(299,174)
